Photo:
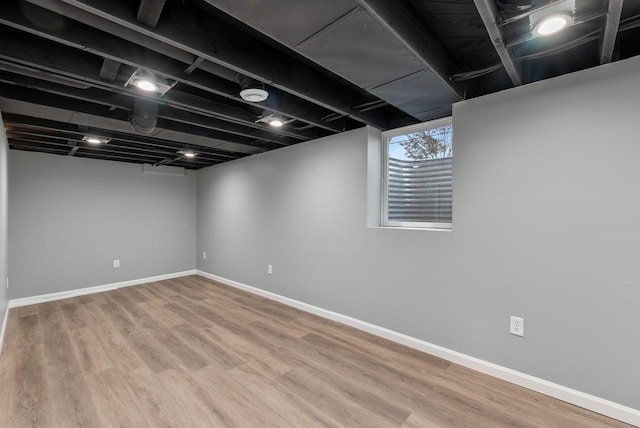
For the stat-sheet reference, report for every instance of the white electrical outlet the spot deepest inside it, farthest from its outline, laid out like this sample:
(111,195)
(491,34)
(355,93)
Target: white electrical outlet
(7,282)
(270,269)
(204,255)
(116,263)
(517,326)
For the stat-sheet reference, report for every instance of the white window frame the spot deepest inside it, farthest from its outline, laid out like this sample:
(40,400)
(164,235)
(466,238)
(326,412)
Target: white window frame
(386,136)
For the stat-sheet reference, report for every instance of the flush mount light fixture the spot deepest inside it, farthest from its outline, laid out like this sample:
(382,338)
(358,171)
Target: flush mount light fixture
(149,82)
(146,85)
(92,139)
(551,18)
(187,153)
(551,25)
(273,120)
(276,122)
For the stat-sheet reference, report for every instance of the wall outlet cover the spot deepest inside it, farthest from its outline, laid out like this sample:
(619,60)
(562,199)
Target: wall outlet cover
(516,326)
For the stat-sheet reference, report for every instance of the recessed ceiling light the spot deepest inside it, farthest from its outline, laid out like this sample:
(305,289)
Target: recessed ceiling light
(92,139)
(146,85)
(551,25)
(150,82)
(187,153)
(273,119)
(254,95)
(276,122)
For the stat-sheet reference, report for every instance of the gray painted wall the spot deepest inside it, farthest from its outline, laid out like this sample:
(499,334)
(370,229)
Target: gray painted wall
(71,217)
(546,210)
(4,214)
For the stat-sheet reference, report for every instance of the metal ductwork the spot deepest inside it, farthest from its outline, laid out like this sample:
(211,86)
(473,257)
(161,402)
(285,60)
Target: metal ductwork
(145,116)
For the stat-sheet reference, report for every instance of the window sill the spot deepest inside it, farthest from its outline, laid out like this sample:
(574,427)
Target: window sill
(421,229)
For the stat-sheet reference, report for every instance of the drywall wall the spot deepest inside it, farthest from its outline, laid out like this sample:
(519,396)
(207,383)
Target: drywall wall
(71,217)
(546,209)
(4,214)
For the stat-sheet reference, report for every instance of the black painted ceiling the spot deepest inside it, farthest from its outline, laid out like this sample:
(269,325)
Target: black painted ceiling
(328,65)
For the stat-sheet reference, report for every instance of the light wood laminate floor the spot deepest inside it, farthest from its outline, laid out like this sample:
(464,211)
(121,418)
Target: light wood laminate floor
(190,352)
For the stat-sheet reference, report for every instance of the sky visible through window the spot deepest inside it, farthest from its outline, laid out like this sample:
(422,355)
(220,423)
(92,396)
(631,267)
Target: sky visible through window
(433,143)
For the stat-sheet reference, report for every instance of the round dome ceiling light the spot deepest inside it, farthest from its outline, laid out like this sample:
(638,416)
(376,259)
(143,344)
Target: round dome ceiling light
(254,95)
(551,25)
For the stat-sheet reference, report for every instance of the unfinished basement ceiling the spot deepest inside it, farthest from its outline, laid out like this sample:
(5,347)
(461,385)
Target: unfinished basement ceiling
(68,68)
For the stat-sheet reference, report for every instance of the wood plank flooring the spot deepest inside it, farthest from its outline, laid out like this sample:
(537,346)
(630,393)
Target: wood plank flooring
(190,352)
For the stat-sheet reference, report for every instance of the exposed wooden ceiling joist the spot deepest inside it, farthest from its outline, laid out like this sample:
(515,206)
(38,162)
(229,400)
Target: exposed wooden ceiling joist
(489,14)
(193,32)
(614,10)
(134,49)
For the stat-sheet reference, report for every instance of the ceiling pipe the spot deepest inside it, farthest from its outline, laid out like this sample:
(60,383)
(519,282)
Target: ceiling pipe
(109,69)
(145,116)
(149,11)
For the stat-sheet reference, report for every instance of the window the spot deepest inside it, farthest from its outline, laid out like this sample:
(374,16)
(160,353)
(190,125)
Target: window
(418,176)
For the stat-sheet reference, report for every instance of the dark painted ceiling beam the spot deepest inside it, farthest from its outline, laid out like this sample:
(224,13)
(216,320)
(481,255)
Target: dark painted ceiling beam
(106,153)
(229,118)
(103,147)
(39,147)
(149,11)
(179,121)
(73,144)
(134,146)
(226,130)
(195,64)
(79,67)
(30,126)
(610,31)
(113,150)
(62,147)
(26,70)
(203,35)
(409,29)
(86,118)
(129,47)
(489,14)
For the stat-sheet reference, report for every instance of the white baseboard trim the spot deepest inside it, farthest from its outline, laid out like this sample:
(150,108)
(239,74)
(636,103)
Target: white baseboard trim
(581,399)
(25,301)
(4,329)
